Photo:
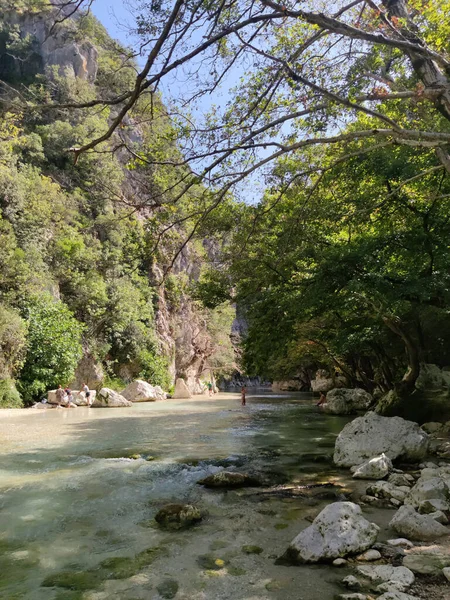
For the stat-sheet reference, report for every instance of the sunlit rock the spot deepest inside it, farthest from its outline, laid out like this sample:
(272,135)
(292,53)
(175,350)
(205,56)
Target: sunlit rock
(181,390)
(371,435)
(107,398)
(339,530)
(141,391)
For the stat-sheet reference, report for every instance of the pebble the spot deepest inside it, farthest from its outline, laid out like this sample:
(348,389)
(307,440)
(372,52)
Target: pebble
(400,543)
(369,556)
(446,573)
(339,562)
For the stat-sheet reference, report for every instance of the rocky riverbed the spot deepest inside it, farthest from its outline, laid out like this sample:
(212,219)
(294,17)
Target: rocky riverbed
(80,490)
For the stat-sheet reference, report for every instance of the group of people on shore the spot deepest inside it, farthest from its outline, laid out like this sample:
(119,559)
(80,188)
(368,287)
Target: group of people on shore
(64,396)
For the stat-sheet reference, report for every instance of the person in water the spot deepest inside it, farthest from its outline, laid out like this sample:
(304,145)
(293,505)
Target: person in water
(68,393)
(59,395)
(87,393)
(243,392)
(322,399)
(210,388)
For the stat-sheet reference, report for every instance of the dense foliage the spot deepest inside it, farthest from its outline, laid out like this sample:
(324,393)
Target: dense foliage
(81,268)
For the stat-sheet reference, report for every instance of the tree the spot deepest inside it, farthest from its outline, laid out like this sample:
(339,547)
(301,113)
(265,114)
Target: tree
(54,346)
(355,274)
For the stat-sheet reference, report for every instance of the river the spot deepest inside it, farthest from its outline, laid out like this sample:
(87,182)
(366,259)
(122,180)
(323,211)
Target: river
(72,499)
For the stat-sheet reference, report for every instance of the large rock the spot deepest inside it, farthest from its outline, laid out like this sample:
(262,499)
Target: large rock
(181,390)
(141,391)
(375,468)
(324,383)
(107,398)
(431,377)
(346,401)
(433,485)
(78,398)
(410,524)
(178,516)
(88,371)
(229,480)
(371,435)
(288,385)
(339,530)
(427,560)
(388,577)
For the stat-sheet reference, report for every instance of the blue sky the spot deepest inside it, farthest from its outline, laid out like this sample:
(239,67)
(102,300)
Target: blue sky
(112,14)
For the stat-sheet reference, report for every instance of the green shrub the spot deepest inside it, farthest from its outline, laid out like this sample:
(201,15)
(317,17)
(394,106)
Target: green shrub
(9,396)
(54,346)
(12,341)
(155,369)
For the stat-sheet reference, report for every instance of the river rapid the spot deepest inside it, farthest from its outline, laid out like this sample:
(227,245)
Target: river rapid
(77,505)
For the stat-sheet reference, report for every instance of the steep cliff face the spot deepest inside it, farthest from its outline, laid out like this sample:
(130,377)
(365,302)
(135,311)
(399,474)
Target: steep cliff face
(194,341)
(32,45)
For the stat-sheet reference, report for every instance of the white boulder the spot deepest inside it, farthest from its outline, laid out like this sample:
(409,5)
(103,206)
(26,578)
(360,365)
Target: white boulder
(141,391)
(370,435)
(409,523)
(107,398)
(431,491)
(375,468)
(339,530)
(181,390)
(344,401)
(388,577)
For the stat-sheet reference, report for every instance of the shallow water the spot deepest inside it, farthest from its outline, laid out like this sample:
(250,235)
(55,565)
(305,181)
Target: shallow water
(70,498)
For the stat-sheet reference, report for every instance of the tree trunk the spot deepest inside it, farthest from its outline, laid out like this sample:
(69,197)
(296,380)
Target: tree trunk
(426,69)
(406,385)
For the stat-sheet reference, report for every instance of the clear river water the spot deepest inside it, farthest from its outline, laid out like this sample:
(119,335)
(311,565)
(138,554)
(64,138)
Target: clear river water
(77,507)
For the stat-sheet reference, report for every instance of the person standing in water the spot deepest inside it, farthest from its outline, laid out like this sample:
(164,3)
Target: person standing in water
(59,395)
(243,392)
(87,393)
(322,399)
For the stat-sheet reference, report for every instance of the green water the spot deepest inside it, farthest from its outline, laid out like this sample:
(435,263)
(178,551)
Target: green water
(77,515)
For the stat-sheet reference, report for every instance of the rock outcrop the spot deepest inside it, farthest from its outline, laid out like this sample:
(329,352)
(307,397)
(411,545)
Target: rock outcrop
(88,371)
(371,435)
(107,398)
(324,383)
(344,401)
(47,48)
(181,390)
(141,391)
(339,530)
